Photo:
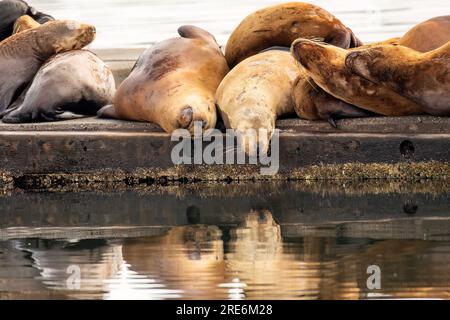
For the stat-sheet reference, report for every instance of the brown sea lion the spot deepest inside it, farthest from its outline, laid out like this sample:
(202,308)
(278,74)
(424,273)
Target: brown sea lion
(421,77)
(428,35)
(24,23)
(325,64)
(313,103)
(11,10)
(80,84)
(255,93)
(280,25)
(22,54)
(173,83)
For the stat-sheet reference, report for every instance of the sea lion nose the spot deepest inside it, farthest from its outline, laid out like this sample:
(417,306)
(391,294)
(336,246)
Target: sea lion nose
(298,49)
(185,118)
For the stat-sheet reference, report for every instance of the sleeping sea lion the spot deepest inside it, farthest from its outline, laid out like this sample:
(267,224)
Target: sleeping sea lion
(428,35)
(422,77)
(173,83)
(255,93)
(280,25)
(22,54)
(79,84)
(325,64)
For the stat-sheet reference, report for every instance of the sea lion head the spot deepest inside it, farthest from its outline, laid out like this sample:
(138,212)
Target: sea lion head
(379,62)
(195,108)
(313,55)
(70,34)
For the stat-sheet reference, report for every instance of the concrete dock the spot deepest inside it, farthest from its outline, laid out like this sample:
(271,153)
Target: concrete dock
(93,150)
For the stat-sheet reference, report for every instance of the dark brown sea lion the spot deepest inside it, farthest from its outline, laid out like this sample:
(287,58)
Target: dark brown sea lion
(70,85)
(173,83)
(325,64)
(421,77)
(280,25)
(11,10)
(22,54)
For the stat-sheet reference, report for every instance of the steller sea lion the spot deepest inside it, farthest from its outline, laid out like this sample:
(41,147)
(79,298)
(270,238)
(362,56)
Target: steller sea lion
(255,93)
(22,54)
(11,10)
(280,25)
(421,77)
(428,35)
(24,23)
(173,83)
(313,103)
(325,64)
(80,84)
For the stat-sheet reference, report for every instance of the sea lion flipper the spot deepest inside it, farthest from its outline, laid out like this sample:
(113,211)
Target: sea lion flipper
(108,112)
(193,32)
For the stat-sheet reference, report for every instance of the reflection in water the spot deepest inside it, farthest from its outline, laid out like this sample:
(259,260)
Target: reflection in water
(187,260)
(248,261)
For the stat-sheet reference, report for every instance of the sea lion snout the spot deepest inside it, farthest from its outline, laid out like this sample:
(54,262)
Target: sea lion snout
(186,117)
(190,117)
(88,34)
(305,51)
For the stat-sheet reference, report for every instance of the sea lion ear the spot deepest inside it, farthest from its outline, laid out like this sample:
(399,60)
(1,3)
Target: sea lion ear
(192,32)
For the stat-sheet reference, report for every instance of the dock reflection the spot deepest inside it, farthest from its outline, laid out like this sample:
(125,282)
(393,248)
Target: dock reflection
(248,261)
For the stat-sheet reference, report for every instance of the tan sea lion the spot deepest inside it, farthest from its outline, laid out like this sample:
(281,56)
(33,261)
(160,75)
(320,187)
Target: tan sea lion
(421,77)
(256,92)
(79,84)
(313,103)
(428,35)
(280,25)
(24,23)
(173,83)
(325,64)
(22,54)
